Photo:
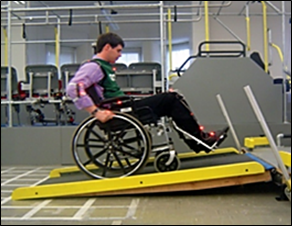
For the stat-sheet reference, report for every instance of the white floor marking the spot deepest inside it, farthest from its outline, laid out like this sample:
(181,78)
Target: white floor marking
(29,214)
(7,170)
(83,209)
(16,178)
(117,223)
(132,208)
(19,176)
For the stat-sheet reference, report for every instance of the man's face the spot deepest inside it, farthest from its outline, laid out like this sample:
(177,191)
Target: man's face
(115,53)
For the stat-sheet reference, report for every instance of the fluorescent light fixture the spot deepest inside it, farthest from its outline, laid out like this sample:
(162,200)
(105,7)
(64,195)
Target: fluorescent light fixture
(112,23)
(19,2)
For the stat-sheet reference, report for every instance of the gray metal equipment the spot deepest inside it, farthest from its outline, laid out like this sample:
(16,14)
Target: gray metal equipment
(67,71)
(44,89)
(122,76)
(138,78)
(209,76)
(43,80)
(4,76)
(15,92)
(144,75)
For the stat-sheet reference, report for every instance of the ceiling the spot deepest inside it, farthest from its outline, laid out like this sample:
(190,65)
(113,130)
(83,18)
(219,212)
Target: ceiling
(214,6)
(126,12)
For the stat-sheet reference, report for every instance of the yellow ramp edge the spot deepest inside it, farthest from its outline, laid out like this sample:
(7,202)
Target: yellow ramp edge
(138,181)
(286,158)
(251,142)
(288,183)
(55,173)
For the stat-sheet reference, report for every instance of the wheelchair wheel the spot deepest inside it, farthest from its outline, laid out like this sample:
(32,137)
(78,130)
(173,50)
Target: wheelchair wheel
(166,161)
(117,148)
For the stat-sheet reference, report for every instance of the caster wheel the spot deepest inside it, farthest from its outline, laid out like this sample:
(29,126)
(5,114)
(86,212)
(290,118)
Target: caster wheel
(287,193)
(166,161)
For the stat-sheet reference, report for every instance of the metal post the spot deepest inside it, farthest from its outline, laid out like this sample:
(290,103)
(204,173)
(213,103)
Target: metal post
(35,9)
(247,18)
(58,48)
(79,40)
(9,75)
(273,7)
(283,63)
(162,52)
(228,29)
(267,132)
(229,122)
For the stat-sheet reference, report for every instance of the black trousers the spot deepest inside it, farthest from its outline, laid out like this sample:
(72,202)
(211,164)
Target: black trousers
(173,105)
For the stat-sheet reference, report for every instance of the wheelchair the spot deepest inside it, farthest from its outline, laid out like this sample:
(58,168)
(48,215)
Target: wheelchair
(122,146)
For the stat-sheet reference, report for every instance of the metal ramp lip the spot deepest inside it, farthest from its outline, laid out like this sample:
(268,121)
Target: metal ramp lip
(257,159)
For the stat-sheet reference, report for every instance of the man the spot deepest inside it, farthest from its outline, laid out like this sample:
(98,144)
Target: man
(94,82)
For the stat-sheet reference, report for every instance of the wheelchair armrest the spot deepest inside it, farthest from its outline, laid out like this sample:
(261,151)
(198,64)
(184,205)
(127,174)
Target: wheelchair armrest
(115,100)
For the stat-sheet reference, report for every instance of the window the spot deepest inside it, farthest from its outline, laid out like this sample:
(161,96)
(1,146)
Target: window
(130,56)
(180,53)
(67,55)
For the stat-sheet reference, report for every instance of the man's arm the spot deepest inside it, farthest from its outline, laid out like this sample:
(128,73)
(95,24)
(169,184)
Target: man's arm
(88,75)
(100,114)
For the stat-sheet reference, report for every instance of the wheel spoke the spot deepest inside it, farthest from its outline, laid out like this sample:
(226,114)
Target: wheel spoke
(89,146)
(119,161)
(96,134)
(99,153)
(107,161)
(92,158)
(135,155)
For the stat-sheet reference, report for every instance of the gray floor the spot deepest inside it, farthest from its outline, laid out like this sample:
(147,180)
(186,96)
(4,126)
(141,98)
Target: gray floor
(253,204)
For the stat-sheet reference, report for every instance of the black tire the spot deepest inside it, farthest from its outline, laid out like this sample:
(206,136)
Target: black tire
(117,148)
(161,162)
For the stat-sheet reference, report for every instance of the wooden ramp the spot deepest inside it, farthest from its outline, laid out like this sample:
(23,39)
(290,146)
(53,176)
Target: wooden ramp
(225,167)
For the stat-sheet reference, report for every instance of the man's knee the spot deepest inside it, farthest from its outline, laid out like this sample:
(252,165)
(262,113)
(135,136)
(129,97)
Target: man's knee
(171,96)
(176,95)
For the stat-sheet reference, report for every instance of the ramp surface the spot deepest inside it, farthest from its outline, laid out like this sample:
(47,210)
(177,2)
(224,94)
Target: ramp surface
(219,170)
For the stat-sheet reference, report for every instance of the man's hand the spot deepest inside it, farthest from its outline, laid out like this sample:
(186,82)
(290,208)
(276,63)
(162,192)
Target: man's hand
(104,115)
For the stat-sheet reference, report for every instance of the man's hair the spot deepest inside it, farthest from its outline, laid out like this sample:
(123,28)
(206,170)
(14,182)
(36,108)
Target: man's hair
(108,38)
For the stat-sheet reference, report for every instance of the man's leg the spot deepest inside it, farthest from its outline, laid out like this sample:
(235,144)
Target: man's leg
(173,105)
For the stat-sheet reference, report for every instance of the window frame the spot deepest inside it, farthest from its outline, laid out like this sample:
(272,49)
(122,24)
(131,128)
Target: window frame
(70,51)
(131,51)
(177,47)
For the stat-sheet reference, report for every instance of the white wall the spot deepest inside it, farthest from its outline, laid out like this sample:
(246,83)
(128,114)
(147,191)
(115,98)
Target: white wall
(18,56)
(84,52)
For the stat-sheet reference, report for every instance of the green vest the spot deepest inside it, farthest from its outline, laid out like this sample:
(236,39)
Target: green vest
(111,88)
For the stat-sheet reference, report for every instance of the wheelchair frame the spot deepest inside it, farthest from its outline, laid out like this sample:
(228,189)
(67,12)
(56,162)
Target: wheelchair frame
(121,147)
